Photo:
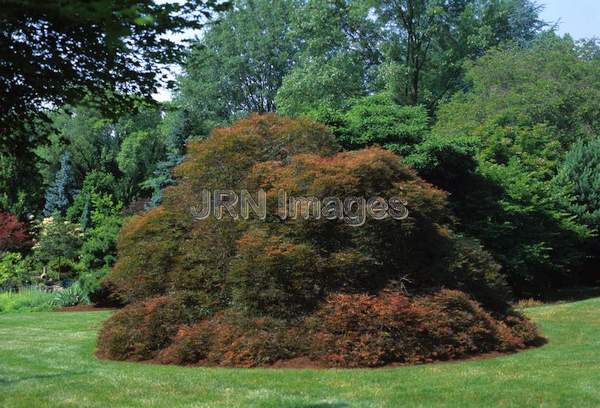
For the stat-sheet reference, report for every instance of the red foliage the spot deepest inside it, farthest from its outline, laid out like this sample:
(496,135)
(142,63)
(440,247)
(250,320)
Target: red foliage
(13,233)
(283,289)
(140,330)
(230,339)
(361,330)
(354,331)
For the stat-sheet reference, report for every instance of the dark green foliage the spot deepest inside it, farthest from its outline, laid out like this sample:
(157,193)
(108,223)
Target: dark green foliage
(579,175)
(21,188)
(498,148)
(141,149)
(56,53)
(127,149)
(377,119)
(473,270)
(88,137)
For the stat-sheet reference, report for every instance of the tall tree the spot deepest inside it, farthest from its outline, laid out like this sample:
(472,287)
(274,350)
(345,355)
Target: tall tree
(431,39)
(339,53)
(239,64)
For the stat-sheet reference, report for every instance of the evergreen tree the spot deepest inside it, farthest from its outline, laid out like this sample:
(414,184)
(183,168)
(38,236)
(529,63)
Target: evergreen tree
(580,177)
(176,135)
(60,193)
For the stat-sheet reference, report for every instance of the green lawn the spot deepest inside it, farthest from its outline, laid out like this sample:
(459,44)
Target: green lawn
(46,359)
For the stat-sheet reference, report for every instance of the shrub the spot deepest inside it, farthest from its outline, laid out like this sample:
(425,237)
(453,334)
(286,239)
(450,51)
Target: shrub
(15,271)
(579,175)
(473,270)
(355,331)
(360,330)
(190,345)
(165,249)
(378,119)
(286,268)
(141,330)
(58,245)
(146,245)
(262,279)
(231,339)
(274,275)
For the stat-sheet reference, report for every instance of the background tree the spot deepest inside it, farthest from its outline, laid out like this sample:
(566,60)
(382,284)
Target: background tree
(61,192)
(175,136)
(429,40)
(142,148)
(127,148)
(339,54)
(58,246)
(238,64)
(524,110)
(580,175)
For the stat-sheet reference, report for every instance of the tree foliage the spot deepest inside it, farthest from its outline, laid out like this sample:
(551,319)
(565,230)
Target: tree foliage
(337,59)
(58,245)
(55,52)
(427,41)
(579,175)
(525,109)
(238,65)
(283,269)
(61,192)
(13,233)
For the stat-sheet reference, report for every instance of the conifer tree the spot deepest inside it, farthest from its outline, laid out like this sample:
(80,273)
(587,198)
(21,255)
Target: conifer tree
(61,192)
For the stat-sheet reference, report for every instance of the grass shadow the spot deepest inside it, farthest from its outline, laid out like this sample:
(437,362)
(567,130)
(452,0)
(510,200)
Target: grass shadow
(42,377)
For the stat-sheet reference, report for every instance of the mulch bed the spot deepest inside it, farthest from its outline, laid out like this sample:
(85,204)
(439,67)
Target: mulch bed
(83,308)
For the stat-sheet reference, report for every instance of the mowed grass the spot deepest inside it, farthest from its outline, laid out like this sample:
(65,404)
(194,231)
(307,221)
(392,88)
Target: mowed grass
(46,360)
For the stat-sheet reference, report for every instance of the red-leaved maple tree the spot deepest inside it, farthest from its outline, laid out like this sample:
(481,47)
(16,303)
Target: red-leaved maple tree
(13,233)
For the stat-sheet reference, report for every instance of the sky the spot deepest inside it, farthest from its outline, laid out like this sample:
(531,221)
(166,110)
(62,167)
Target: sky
(579,18)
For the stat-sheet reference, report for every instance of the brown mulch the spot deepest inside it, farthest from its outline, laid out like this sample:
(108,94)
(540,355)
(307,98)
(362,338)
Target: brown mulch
(83,308)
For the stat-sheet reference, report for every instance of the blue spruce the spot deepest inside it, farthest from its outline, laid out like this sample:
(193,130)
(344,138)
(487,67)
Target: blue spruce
(60,192)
